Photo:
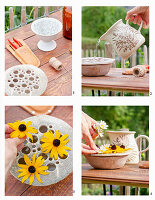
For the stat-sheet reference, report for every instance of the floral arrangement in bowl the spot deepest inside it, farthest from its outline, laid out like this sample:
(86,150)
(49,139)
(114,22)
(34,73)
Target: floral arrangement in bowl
(112,149)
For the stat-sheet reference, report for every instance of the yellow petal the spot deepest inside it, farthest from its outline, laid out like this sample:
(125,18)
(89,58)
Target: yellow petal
(57,134)
(22,166)
(25,177)
(14,134)
(34,158)
(29,135)
(28,123)
(38,177)
(63,143)
(43,173)
(47,150)
(39,161)
(32,130)
(49,134)
(64,137)
(31,179)
(27,160)
(21,135)
(46,145)
(55,155)
(22,174)
(42,168)
(51,154)
(61,152)
(66,148)
(14,125)
(44,139)
(21,170)
(22,122)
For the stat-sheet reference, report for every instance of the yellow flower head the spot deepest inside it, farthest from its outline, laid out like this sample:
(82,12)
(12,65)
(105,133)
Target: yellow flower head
(21,129)
(55,144)
(113,149)
(32,168)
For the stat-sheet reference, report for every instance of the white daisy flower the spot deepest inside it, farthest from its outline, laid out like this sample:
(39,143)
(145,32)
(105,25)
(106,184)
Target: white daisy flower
(100,127)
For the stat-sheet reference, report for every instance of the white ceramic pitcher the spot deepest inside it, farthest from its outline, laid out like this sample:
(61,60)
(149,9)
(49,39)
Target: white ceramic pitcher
(126,138)
(124,38)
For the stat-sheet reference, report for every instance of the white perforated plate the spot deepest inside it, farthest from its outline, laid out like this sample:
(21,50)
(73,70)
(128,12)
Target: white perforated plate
(25,80)
(59,168)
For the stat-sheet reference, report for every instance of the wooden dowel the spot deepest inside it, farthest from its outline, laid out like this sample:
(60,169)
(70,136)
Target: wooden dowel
(35,16)
(145,55)
(11,18)
(23,16)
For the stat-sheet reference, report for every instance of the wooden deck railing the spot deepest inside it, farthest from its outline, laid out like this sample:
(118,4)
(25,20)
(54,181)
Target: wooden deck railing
(46,11)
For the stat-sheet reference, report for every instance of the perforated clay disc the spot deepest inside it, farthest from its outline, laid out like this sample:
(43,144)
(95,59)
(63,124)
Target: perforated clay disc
(58,169)
(25,80)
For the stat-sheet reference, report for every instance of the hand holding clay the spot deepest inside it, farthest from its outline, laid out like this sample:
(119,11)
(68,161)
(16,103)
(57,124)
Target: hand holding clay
(137,14)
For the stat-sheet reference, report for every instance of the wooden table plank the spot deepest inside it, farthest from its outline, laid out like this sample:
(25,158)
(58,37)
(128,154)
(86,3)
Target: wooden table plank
(128,175)
(61,52)
(116,81)
(15,187)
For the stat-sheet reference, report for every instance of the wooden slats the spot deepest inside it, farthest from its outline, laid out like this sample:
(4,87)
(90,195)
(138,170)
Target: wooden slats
(35,16)
(11,18)
(23,15)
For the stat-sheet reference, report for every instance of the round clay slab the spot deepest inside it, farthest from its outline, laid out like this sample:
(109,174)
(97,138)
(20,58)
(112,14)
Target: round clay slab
(25,80)
(60,168)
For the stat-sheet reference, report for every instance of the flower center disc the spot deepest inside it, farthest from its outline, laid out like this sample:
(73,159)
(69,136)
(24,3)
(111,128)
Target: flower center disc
(56,142)
(31,169)
(22,127)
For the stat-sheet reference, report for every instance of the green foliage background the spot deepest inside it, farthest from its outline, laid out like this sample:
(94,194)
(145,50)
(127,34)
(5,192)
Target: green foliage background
(136,118)
(96,20)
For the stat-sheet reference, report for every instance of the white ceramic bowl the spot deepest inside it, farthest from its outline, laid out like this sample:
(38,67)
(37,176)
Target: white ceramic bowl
(107,161)
(96,66)
(47,30)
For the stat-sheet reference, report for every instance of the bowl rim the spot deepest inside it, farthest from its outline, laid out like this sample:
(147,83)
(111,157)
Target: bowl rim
(105,61)
(110,154)
(46,18)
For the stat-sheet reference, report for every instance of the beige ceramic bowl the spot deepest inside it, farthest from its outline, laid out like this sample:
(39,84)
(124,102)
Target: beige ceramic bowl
(107,161)
(96,66)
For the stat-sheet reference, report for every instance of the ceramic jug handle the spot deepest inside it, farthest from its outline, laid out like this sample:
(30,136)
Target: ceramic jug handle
(145,137)
(140,27)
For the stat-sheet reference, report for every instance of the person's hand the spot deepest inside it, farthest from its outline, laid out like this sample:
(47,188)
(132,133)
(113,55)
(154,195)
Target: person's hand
(12,146)
(137,14)
(88,134)
(87,150)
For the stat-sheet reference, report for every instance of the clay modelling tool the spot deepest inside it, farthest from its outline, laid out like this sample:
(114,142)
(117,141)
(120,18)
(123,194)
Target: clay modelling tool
(22,52)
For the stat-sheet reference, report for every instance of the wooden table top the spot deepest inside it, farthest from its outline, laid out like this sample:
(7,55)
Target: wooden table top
(129,175)
(15,187)
(114,80)
(59,82)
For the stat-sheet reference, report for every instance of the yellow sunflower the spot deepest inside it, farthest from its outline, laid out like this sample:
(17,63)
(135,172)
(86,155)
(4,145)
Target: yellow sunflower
(21,129)
(55,144)
(32,168)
